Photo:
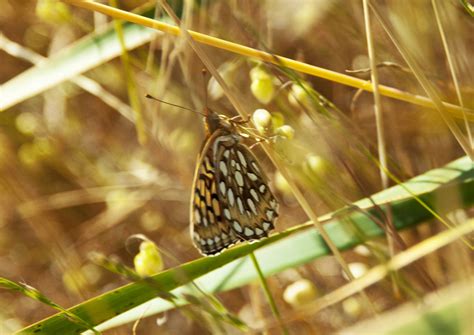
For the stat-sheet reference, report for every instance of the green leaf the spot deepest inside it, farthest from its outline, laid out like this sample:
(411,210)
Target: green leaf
(83,55)
(447,311)
(288,249)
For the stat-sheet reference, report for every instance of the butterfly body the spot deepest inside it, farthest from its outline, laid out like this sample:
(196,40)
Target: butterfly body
(231,200)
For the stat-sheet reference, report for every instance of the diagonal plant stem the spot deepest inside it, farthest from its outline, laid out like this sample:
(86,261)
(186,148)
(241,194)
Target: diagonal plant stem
(379,272)
(427,86)
(382,150)
(236,102)
(130,80)
(451,68)
(87,84)
(391,92)
(232,96)
(268,293)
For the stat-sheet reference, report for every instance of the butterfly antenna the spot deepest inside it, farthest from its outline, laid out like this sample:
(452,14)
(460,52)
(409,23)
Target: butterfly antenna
(174,105)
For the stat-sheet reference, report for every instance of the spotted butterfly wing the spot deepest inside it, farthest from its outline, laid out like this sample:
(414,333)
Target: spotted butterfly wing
(210,233)
(231,201)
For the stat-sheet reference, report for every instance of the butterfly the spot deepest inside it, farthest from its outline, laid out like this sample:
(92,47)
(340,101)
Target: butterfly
(231,201)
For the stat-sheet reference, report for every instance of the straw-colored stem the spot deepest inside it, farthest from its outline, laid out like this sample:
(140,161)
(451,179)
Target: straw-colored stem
(267,57)
(382,150)
(379,272)
(268,293)
(451,69)
(280,167)
(130,80)
(426,85)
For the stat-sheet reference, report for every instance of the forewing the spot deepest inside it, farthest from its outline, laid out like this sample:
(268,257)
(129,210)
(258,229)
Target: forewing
(247,204)
(210,232)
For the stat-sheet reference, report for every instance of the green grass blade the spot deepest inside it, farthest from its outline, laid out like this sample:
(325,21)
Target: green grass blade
(447,311)
(288,249)
(85,54)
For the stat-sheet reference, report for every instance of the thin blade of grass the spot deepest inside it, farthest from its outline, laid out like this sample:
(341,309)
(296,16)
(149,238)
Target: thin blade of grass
(85,54)
(267,57)
(229,270)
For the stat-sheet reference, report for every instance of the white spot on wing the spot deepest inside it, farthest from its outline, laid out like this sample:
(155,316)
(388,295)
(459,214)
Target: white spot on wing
(241,205)
(252,206)
(227,214)
(230,196)
(248,231)
(210,241)
(197,216)
(273,203)
(252,176)
(237,227)
(262,188)
(242,158)
(266,225)
(269,214)
(239,179)
(226,153)
(258,231)
(222,187)
(254,194)
(223,168)
(255,167)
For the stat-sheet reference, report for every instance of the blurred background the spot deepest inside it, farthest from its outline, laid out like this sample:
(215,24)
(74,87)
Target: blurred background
(89,162)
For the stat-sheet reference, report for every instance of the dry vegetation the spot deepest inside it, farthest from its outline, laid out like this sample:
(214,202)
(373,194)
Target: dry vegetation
(82,171)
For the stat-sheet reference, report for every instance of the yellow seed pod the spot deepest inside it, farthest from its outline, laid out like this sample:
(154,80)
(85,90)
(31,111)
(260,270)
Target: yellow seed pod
(278,120)
(262,86)
(262,120)
(352,307)
(299,94)
(227,71)
(27,123)
(357,269)
(263,90)
(148,261)
(53,11)
(286,131)
(258,72)
(316,166)
(281,184)
(27,154)
(300,293)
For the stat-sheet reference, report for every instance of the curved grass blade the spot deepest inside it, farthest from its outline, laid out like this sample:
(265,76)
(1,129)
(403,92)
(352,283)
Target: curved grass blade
(33,293)
(288,249)
(85,54)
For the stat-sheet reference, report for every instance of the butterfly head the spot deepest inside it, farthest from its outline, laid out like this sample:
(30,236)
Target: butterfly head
(214,121)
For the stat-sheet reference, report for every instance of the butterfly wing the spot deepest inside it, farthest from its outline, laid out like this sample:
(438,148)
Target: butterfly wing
(210,232)
(246,202)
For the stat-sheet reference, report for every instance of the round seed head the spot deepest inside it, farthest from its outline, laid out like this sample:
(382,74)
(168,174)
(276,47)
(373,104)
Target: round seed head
(262,120)
(148,261)
(300,293)
(286,131)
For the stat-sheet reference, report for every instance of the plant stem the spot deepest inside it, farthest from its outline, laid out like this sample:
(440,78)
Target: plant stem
(268,294)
